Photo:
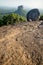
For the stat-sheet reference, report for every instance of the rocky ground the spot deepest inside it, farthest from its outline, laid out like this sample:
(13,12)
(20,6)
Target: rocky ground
(21,44)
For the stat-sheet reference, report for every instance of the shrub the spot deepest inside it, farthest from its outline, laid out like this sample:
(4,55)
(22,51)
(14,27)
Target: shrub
(22,19)
(11,19)
(41,17)
(1,23)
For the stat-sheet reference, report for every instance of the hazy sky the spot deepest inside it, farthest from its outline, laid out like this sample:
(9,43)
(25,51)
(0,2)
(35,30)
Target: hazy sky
(28,3)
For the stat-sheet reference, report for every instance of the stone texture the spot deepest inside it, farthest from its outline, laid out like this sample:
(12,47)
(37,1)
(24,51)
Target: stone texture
(33,15)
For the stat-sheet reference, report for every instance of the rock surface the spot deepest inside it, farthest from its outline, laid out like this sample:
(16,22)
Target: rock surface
(33,15)
(21,44)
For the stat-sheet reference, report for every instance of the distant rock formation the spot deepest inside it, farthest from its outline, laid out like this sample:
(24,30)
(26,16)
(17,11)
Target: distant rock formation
(20,11)
(33,15)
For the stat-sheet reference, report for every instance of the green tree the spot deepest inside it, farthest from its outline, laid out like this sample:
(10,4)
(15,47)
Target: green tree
(41,17)
(1,23)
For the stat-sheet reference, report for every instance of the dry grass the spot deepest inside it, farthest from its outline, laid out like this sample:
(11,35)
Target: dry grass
(21,44)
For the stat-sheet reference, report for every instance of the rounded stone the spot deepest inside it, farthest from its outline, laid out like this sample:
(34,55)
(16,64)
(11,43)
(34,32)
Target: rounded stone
(33,15)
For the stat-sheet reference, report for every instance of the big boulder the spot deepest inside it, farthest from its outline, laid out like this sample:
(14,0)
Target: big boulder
(33,15)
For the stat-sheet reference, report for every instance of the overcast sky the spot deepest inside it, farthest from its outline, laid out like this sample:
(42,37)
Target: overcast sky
(27,3)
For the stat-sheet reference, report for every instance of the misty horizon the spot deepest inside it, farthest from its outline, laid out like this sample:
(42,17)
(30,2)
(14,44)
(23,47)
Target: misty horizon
(27,3)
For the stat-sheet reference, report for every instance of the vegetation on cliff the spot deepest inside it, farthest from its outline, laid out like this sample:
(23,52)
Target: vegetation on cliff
(11,19)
